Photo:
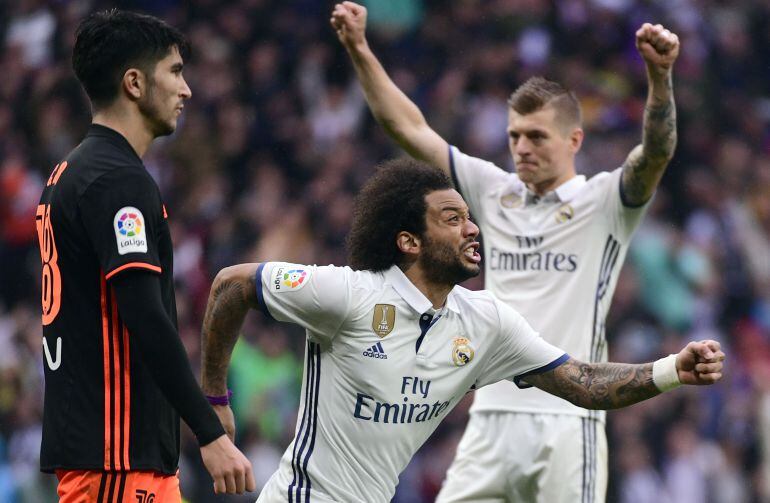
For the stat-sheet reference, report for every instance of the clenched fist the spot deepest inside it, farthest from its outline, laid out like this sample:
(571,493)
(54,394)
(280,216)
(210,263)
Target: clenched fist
(658,46)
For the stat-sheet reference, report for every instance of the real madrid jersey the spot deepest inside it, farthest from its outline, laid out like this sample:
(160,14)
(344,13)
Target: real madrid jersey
(555,259)
(101,214)
(382,370)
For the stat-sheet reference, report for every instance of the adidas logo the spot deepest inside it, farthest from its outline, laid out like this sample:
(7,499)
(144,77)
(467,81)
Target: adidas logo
(376,351)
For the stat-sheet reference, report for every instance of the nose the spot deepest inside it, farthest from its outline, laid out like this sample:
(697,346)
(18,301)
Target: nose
(523,146)
(185,92)
(471,229)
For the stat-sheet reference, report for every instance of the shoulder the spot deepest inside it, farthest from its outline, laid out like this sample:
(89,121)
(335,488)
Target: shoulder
(475,305)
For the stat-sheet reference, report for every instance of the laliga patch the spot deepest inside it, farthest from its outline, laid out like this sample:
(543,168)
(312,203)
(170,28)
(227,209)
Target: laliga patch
(462,351)
(130,231)
(289,278)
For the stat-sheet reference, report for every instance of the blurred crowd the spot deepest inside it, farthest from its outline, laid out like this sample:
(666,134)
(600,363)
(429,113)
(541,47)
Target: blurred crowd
(277,138)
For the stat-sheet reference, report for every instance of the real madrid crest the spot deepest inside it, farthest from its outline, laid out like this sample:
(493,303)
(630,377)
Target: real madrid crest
(384,319)
(462,351)
(564,213)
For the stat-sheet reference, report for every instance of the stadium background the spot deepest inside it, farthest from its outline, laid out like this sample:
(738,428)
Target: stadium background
(277,139)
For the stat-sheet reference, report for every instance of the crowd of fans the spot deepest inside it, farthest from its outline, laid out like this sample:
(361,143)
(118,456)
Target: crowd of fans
(277,139)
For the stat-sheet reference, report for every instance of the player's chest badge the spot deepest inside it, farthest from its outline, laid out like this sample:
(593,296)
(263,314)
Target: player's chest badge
(384,319)
(564,213)
(462,351)
(512,200)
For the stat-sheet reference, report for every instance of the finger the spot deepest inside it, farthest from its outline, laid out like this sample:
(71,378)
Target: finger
(708,368)
(710,378)
(702,350)
(219,484)
(714,345)
(251,484)
(230,483)
(354,7)
(240,481)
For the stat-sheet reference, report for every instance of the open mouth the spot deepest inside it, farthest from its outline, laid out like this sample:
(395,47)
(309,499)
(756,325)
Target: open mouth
(471,252)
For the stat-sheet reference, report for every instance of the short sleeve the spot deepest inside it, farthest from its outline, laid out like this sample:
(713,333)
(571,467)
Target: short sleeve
(473,178)
(316,298)
(623,220)
(122,212)
(521,351)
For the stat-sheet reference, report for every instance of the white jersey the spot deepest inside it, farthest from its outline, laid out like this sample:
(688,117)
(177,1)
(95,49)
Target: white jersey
(382,370)
(555,259)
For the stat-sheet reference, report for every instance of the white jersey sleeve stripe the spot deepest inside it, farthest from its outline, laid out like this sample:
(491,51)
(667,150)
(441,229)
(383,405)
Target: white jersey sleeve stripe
(301,455)
(545,368)
(260,292)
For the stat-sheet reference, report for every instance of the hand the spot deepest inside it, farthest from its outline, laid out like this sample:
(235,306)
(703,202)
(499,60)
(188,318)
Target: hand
(700,363)
(658,46)
(225,414)
(349,21)
(228,467)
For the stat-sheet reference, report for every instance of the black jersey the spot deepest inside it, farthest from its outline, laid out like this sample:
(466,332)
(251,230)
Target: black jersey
(100,214)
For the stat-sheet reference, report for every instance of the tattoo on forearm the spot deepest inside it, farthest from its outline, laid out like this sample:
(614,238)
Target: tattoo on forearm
(645,165)
(226,309)
(598,385)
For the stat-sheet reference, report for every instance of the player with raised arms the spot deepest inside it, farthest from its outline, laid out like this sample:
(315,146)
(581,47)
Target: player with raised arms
(393,344)
(554,245)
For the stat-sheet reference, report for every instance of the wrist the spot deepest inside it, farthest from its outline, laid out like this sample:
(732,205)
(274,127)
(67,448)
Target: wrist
(220,399)
(665,375)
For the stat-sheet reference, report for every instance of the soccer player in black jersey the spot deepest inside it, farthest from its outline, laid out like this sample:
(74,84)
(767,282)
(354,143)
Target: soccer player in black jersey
(117,377)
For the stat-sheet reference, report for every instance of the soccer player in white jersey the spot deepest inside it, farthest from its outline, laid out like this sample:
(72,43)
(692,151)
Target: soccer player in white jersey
(554,245)
(393,344)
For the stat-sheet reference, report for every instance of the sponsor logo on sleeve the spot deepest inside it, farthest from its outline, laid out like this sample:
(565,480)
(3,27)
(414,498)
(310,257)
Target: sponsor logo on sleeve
(289,278)
(130,231)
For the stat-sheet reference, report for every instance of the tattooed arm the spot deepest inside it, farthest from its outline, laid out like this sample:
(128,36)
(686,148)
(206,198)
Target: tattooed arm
(646,163)
(614,385)
(233,293)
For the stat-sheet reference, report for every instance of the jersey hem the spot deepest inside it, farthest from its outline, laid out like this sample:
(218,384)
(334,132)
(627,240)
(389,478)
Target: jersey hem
(100,469)
(133,265)
(585,413)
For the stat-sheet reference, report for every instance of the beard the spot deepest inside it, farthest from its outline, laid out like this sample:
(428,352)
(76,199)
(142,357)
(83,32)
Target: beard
(444,263)
(151,109)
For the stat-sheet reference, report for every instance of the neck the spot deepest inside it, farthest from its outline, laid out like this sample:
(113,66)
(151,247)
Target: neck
(128,124)
(547,186)
(436,293)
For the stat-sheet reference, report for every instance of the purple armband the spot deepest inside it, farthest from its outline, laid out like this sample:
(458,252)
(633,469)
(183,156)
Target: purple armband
(220,400)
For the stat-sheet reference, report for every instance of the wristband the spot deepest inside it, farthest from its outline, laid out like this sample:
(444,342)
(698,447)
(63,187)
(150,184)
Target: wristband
(220,400)
(664,374)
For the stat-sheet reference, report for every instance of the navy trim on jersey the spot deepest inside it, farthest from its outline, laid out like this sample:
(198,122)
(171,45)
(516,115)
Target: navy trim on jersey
(624,198)
(545,368)
(453,173)
(609,260)
(260,293)
(301,456)
(589,461)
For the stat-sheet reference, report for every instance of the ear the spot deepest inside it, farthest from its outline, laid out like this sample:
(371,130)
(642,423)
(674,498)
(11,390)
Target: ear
(408,243)
(134,83)
(576,139)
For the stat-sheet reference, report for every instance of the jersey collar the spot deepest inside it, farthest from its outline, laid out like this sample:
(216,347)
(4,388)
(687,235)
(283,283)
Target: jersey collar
(412,295)
(563,193)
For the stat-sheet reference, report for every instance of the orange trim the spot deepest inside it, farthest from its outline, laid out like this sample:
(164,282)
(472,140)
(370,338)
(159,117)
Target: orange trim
(59,172)
(117,395)
(126,399)
(107,377)
(133,265)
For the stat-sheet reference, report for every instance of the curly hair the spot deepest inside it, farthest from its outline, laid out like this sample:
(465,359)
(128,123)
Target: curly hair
(538,92)
(393,200)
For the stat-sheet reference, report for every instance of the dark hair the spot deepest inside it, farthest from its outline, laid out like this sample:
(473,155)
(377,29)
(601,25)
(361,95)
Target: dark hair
(108,43)
(393,200)
(538,92)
